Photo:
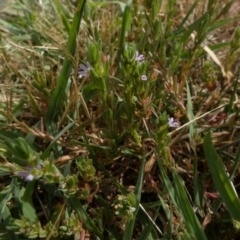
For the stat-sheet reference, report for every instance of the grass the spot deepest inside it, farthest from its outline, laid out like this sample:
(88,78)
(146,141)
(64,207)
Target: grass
(119,119)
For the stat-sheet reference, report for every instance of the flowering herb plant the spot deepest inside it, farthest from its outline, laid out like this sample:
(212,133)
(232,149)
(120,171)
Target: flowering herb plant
(119,119)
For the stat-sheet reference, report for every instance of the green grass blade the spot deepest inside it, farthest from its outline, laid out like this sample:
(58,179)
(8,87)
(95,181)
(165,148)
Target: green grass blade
(192,127)
(221,179)
(148,226)
(58,94)
(192,136)
(219,24)
(183,204)
(46,152)
(180,200)
(180,27)
(112,230)
(236,163)
(194,27)
(138,190)
(167,183)
(62,12)
(229,107)
(76,205)
(126,21)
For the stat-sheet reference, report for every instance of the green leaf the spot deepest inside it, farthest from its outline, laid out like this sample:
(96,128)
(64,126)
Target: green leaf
(89,91)
(6,216)
(5,197)
(221,179)
(27,204)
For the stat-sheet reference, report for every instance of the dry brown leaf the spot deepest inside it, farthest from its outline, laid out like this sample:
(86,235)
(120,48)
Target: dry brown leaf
(149,164)
(206,220)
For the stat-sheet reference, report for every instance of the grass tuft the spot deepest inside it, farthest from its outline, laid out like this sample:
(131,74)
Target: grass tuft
(119,119)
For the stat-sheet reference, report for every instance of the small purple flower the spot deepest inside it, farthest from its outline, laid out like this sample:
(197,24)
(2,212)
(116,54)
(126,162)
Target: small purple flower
(172,123)
(30,173)
(84,70)
(139,58)
(144,78)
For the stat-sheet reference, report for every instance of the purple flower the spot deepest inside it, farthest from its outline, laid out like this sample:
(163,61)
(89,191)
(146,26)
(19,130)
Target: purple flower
(139,58)
(30,173)
(84,70)
(172,123)
(144,78)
